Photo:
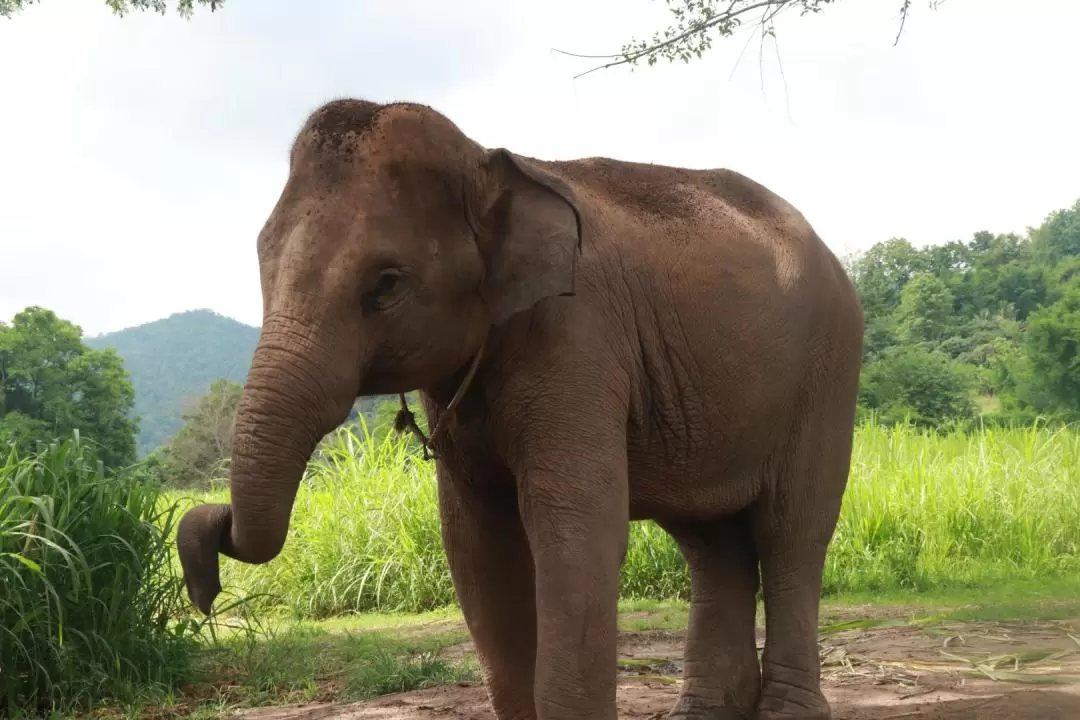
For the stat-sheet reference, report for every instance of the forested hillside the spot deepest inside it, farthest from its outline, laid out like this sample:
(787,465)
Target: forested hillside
(175,360)
(987,327)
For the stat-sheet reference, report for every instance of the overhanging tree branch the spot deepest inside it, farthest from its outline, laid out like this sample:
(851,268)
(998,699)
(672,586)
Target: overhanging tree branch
(122,7)
(697,22)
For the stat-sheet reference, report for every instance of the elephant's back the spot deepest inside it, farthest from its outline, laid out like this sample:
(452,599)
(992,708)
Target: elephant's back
(717,215)
(712,228)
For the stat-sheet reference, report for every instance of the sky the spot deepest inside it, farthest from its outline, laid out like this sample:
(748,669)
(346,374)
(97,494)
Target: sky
(140,156)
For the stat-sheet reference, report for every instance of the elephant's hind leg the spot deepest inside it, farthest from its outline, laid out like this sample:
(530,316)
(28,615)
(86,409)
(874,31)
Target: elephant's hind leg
(492,571)
(793,523)
(721,674)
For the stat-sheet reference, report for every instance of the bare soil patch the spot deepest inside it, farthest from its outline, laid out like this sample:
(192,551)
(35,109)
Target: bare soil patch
(939,671)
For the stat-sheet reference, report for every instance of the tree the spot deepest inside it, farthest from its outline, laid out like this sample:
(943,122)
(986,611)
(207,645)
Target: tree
(696,22)
(1003,269)
(203,446)
(924,386)
(1059,237)
(989,342)
(998,315)
(881,273)
(51,384)
(1052,345)
(122,7)
(925,310)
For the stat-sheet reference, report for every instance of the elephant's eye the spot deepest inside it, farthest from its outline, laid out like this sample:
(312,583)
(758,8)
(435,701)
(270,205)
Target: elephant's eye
(387,280)
(377,298)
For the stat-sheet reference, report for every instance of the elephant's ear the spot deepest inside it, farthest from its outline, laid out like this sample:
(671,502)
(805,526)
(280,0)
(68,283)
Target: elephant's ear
(532,234)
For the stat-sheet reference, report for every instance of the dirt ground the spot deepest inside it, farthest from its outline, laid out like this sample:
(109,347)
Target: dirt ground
(953,671)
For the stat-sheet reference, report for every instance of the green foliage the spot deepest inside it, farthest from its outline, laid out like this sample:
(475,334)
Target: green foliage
(689,35)
(1004,269)
(995,319)
(923,511)
(203,447)
(919,385)
(1059,237)
(1052,343)
(51,384)
(88,583)
(176,359)
(122,7)
(925,311)
(882,272)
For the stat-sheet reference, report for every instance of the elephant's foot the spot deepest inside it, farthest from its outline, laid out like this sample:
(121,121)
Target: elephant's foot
(780,701)
(697,704)
(710,714)
(792,712)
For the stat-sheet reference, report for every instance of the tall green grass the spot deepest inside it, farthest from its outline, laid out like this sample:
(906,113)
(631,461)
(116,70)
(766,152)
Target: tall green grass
(923,512)
(87,590)
(364,534)
(926,511)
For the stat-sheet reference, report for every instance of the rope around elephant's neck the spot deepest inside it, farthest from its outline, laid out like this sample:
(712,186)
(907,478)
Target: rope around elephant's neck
(405,419)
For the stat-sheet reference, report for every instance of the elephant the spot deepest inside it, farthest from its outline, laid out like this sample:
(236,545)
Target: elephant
(594,341)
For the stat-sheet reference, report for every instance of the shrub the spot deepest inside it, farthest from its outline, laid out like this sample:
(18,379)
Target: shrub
(88,584)
(913,384)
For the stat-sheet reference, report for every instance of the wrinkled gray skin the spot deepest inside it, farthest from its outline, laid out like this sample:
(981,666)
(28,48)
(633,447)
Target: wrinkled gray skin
(660,343)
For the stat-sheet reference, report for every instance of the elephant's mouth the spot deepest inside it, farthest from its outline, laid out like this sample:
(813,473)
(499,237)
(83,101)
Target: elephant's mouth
(385,376)
(385,386)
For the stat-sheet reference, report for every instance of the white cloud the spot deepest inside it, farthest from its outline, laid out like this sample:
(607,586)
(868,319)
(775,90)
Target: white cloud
(139,156)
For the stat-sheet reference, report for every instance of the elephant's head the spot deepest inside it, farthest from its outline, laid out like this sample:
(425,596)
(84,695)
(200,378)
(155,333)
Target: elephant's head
(395,246)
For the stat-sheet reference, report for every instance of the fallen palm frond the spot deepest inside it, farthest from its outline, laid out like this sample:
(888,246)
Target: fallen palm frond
(840,667)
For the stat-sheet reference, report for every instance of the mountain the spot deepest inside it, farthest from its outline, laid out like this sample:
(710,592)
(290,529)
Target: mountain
(174,360)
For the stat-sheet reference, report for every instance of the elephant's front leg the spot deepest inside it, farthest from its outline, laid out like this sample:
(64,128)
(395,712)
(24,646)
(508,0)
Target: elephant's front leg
(575,506)
(492,572)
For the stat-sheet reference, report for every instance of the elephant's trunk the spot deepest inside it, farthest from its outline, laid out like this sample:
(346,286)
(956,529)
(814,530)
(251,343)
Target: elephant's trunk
(292,398)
